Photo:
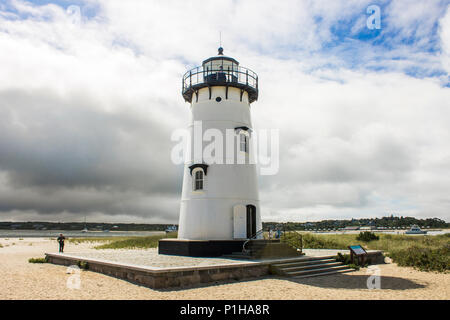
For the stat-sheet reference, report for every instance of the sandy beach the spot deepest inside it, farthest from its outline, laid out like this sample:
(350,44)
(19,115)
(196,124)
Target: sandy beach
(23,280)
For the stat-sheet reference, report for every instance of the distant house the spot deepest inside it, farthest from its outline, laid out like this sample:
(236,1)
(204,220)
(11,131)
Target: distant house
(368,228)
(351,228)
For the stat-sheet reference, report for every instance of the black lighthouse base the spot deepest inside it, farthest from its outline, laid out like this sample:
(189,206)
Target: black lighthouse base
(199,248)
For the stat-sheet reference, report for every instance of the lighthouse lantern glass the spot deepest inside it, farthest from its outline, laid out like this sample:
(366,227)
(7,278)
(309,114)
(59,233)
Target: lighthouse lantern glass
(221,69)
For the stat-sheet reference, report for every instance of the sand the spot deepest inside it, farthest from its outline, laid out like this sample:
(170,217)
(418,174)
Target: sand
(22,280)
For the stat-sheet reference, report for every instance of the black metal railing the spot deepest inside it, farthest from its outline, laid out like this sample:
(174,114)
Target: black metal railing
(259,232)
(293,239)
(229,75)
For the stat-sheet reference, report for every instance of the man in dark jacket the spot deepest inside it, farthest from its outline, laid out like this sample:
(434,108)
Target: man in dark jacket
(61,239)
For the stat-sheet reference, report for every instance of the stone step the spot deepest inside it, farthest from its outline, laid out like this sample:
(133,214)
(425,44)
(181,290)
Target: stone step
(237,255)
(266,249)
(311,266)
(324,273)
(272,250)
(314,271)
(262,242)
(303,261)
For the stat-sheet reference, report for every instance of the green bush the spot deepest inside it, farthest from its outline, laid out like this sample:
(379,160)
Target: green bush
(38,260)
(83,265)
(424,259)
(354,266)
(367,236)
(346,259)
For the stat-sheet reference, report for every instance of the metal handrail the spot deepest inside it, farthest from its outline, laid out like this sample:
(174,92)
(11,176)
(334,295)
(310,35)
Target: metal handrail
(300,240)
(234,75)
(251,238)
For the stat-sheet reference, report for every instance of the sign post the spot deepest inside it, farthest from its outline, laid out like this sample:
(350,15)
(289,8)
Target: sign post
(359,252)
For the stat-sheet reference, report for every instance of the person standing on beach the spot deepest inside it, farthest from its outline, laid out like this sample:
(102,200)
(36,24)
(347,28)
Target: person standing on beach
(61,239)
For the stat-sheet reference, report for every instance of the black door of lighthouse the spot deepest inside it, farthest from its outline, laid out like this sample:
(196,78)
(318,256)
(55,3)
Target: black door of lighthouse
(251,220)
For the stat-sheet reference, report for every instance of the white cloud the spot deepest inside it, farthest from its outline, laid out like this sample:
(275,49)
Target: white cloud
(87,109)
(444,31)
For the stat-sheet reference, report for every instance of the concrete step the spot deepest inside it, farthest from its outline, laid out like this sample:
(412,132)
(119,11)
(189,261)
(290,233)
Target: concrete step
(266,250)
(311,266)
(237,255)
(261,242)
(315,271)
(324,273)
(302,262)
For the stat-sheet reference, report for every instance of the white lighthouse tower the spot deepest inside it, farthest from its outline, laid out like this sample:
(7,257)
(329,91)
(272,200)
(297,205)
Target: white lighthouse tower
(219,203)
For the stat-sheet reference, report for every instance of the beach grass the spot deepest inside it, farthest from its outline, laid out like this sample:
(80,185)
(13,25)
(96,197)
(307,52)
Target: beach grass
(37,260)
(127,242)
(96,239)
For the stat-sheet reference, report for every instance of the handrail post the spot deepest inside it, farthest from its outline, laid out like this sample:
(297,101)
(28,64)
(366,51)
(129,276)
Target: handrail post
(301,243)
(190,78)
(246,77)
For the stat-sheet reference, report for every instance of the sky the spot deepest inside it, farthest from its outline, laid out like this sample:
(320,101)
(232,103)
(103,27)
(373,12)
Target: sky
(90,93)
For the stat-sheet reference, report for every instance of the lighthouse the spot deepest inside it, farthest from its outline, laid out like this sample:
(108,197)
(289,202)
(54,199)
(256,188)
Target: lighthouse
(219,207)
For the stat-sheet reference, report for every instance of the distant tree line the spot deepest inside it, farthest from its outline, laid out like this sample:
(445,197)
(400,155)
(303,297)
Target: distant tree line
(92,226)
(386,222)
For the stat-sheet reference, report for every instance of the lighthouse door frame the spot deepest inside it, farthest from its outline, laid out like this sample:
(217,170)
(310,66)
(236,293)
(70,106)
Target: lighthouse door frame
(251,220)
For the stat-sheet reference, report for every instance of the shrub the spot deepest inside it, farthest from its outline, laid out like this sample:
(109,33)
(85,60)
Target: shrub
(354,266)
(83,265)
(424,259)
(346,259)
(367,236)
(38,260)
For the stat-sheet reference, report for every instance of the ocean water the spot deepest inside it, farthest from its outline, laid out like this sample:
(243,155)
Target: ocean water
(74,234)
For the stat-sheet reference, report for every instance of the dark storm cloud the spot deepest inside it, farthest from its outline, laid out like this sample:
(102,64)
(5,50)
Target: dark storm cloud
(63,154)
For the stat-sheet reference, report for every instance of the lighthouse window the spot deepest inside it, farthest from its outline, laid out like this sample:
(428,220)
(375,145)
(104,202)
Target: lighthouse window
(198,180)
(218,99)
(243,142)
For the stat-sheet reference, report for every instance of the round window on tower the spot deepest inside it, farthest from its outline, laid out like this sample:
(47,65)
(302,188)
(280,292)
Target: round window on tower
(218,99)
